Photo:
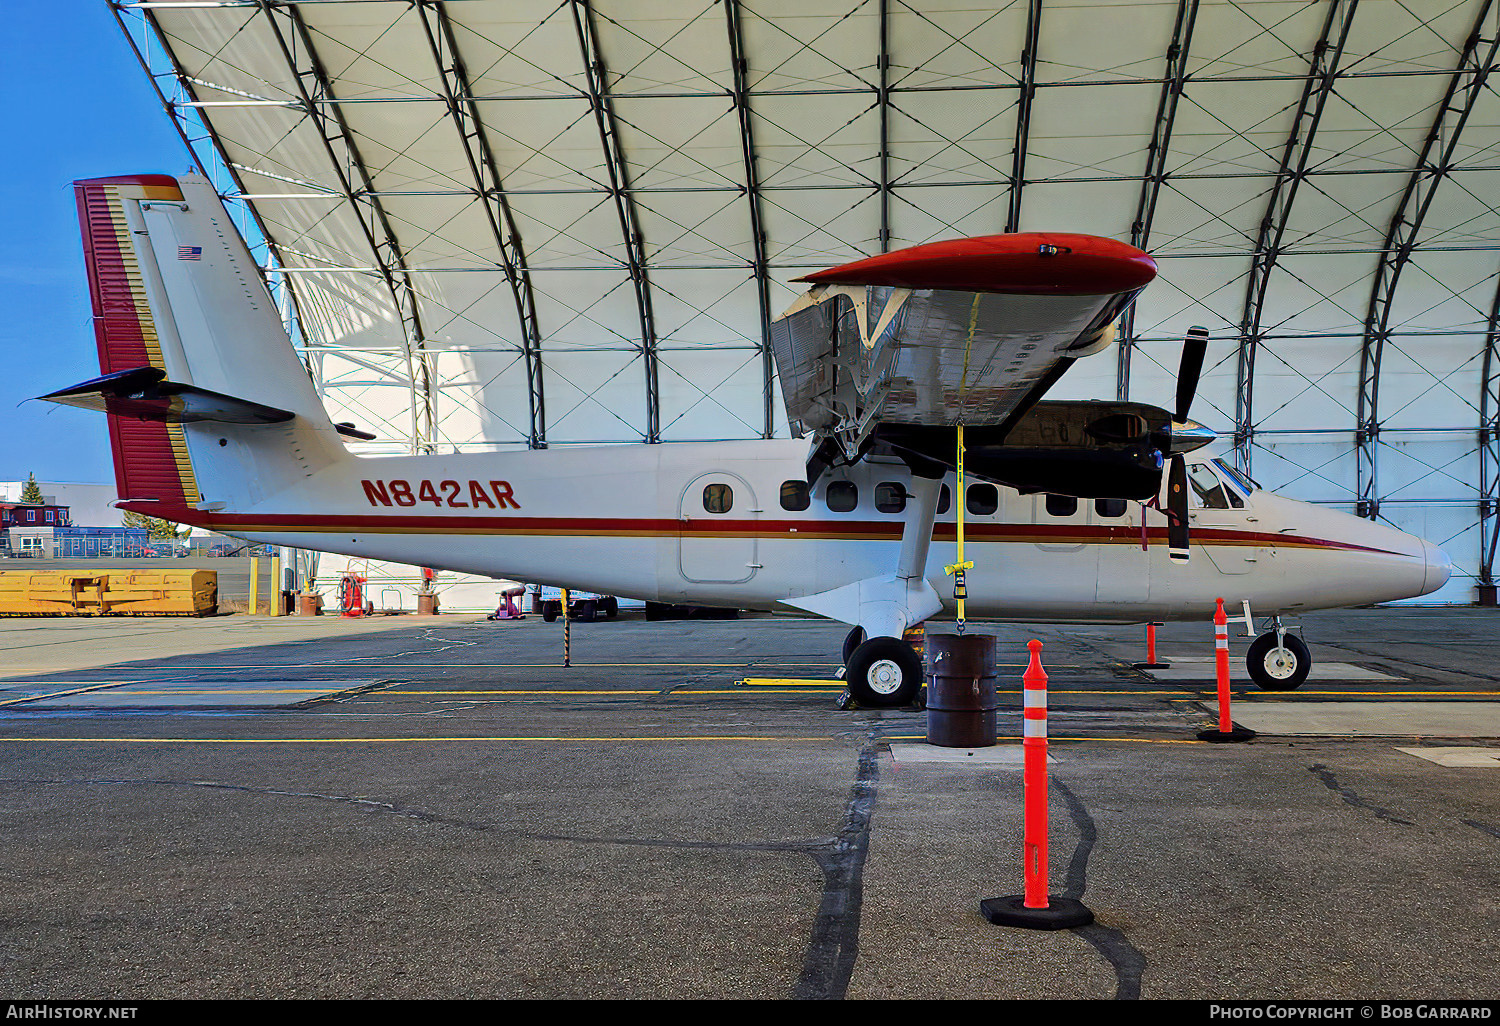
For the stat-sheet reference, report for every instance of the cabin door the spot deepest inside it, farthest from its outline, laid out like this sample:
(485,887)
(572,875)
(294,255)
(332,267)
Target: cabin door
(717,526)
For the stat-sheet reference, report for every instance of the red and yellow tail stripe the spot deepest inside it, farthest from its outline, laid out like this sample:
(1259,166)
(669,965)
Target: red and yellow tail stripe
(151,459)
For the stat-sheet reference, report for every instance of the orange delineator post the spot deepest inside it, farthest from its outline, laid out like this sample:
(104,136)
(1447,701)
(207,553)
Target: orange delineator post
(1221,665)
(1150,642)
(1035,909)
(1034,753)
(1226,731)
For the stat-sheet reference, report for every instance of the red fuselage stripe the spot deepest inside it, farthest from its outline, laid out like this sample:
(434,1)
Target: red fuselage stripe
(794,530)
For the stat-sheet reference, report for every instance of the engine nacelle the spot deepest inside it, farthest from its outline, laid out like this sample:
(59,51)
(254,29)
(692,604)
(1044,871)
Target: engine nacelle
(1088,448)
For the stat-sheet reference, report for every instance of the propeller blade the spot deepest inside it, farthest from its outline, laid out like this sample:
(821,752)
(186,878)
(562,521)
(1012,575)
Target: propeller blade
(1177,511)
(1194,349)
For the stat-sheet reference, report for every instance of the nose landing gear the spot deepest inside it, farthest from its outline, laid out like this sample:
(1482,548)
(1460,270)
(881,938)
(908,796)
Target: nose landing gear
(1278,661)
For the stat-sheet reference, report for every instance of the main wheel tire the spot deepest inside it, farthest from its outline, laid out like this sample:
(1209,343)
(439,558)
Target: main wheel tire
(1278,667)
(884,672)
(853,640)
(551,610)
(611,608)
(586,611)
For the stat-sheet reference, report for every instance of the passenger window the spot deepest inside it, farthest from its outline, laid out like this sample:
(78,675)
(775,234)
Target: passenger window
(1210,490)
(982,499)
(842,496)
(718,498)
(1109,507)
(1061,505)
(945,500)
(890,497)
(795,496)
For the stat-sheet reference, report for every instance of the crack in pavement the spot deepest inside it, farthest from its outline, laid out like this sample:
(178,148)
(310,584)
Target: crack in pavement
(1484,828)
(1350,797)
(1127,961)
(834,945)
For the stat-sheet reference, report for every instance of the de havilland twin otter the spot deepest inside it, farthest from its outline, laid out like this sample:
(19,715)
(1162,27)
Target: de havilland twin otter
(1075,512)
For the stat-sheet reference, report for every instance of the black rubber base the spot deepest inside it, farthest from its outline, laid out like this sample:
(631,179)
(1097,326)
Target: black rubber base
(1151,666)
(846,701)
(1220,737)
(1060,913)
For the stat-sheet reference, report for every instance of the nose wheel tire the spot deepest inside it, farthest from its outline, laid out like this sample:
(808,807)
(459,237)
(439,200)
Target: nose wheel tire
(884,672)
(1278,667)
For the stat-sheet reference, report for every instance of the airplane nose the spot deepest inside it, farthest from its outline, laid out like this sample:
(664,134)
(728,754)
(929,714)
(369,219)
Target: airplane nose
(1439,567)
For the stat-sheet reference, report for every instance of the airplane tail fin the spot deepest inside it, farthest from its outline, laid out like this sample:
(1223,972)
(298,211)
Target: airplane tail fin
(209,406)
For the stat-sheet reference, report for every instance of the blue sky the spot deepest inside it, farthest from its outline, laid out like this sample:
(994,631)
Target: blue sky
(76,105)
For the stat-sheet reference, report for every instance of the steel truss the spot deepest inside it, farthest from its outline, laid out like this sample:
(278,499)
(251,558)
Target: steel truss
(739,69)
(597,76)
(489,190)
(1156,168)
(310,79)
(1489,452)
(1322,73)
(1466,85)
(1024,101)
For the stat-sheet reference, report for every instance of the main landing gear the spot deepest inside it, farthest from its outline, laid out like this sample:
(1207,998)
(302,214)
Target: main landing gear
(1278,661)
(881,672)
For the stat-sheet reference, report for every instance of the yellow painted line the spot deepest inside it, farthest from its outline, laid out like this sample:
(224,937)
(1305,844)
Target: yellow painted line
(391,693)
(740,692)
(383,740)
(788,682)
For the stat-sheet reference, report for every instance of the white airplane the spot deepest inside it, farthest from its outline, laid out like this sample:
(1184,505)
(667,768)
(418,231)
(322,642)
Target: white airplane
(1075,512)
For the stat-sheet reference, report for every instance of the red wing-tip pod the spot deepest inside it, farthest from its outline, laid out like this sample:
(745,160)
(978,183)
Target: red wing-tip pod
(1226,731)
(1035,909)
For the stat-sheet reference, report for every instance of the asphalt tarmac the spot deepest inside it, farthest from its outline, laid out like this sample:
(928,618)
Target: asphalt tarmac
(438,808)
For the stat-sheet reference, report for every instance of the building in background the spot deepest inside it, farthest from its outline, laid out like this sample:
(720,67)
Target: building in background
(89,502)
(69,542)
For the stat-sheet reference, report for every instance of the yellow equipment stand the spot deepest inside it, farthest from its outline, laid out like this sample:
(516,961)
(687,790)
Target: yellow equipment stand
(109,592)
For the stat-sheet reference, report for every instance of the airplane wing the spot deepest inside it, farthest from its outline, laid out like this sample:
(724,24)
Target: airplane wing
(970,331)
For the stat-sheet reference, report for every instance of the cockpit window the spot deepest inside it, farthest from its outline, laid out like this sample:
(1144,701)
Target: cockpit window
(1241,479)
(1211,492)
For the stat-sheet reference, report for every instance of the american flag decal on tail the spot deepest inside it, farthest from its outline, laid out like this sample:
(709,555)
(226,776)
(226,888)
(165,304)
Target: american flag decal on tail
(189,252)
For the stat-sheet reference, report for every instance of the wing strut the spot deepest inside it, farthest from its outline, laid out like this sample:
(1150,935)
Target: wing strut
(886,605)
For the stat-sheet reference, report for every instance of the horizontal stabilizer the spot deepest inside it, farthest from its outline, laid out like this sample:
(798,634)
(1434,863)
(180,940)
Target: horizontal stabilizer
(145,394)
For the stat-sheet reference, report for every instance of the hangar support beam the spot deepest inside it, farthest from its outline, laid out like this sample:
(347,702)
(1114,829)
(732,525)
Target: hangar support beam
(1023,114)
(489,190)
(740,69)
(597,77)
(883,68)
(313,85)
(1156,168)
(1489,452)
(1323,72)
(1465,86)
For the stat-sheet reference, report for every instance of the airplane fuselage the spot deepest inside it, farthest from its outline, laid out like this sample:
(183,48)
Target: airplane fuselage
(719,524)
